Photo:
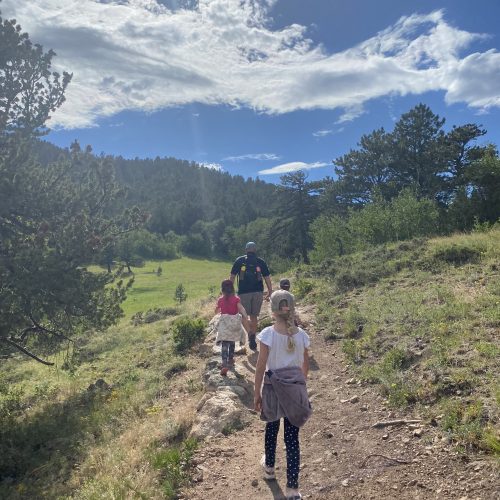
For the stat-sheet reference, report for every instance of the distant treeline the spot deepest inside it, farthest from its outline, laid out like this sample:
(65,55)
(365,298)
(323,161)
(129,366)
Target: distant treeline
(417,180)
(61,210)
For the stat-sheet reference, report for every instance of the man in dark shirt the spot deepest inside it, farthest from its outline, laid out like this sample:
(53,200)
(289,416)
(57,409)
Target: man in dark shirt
(252,271)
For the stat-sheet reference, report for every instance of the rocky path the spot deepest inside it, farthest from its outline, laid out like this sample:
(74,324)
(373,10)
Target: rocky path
(343,455)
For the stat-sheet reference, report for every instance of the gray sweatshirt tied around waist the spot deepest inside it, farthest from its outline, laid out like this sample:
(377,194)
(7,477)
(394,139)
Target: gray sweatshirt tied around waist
(284,394)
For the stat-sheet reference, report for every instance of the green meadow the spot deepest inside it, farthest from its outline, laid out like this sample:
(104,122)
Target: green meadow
(198,276)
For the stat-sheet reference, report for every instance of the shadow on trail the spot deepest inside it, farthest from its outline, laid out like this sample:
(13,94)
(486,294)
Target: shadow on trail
(252,358)
(276,490)
(313,364)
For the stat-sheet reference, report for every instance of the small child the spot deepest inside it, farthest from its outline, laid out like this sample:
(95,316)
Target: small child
(285,285)
(280,387)
(229,327)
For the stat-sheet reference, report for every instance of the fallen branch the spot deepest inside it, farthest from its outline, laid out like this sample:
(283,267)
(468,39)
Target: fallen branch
(395,460)
(395,422)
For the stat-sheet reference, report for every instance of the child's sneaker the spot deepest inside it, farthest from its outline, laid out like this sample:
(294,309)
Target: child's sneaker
(267,472)
(224,370)
(292,494)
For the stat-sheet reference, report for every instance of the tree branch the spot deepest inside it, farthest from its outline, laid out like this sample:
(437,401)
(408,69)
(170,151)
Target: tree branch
(25,351)
(46,330)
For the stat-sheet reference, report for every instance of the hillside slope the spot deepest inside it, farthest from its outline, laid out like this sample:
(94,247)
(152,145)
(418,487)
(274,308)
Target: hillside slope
(405,332)
(408,331)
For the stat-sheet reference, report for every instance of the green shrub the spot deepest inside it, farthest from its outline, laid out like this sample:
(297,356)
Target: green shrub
(354,323)
(351,349)
(11,402)
(466,423)
(152,315)
(174,464)
(458,254)
(302,287)
(180,294)
(175,366)
(186,332)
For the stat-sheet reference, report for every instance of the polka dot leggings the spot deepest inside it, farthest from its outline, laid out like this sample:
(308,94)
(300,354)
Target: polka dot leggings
(292,450)
(227,351)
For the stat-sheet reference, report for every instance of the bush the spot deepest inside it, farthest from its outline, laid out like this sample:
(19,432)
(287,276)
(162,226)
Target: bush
(302,288)
(186,332)
(175,366)
(354,323)
(467,424)
(403,218)
(458,254)
(152,315)
(174,464)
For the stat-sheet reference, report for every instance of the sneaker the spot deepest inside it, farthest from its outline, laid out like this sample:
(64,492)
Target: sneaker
(231,362)
(224,371)
(292,494)
(267,472)
(251,341)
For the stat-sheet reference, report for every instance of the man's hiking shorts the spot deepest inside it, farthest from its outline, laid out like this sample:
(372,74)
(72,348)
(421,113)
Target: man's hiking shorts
(252,302)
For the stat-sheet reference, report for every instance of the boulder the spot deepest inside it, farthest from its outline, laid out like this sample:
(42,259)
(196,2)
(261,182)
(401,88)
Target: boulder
(221,413)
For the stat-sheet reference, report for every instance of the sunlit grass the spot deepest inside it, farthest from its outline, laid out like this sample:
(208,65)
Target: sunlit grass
(425,329)
(96,445)
(198,276)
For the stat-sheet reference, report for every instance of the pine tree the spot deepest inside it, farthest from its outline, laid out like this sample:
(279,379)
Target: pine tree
(54,219)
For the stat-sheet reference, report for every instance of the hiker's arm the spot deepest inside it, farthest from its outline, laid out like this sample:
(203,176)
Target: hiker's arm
(235,270)
(305,364)
(259,376)
(269,286)
(244,317)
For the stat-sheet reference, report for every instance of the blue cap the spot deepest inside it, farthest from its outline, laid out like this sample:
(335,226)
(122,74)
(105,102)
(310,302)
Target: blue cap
(251,247)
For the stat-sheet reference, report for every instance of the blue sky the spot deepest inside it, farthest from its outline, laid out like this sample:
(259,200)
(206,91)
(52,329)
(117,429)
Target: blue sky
(262,87)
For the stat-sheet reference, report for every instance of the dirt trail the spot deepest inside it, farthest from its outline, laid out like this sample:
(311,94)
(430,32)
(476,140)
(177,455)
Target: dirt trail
(336,441)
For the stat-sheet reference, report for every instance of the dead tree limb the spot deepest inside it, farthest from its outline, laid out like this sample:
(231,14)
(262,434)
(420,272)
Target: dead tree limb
(395,422)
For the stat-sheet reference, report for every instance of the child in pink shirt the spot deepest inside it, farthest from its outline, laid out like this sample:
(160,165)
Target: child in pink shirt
(229,327)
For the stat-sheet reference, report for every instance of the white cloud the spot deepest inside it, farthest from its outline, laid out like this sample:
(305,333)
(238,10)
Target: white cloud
(213,166)
(293,166)
(147,55)
(253,156)
(351,113)
(326,132)
(323,133)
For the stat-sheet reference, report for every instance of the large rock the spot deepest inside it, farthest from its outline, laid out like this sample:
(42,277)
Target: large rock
(222,413)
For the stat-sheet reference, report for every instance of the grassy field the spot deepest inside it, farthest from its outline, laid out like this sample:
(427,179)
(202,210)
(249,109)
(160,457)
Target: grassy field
(198,276)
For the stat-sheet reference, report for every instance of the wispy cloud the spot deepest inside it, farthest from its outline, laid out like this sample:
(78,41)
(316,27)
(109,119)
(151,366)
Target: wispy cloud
(323,133)
(213,166)
(293,166)
(253,156)
(142,55)
(350,114)
(326,132)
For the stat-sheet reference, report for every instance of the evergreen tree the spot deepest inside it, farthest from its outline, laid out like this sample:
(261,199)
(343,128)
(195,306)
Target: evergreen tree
(297,210)
(54,219)
(417,154)
(180,294)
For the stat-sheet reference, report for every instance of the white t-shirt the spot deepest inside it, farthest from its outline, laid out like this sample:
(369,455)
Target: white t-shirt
(279,357)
